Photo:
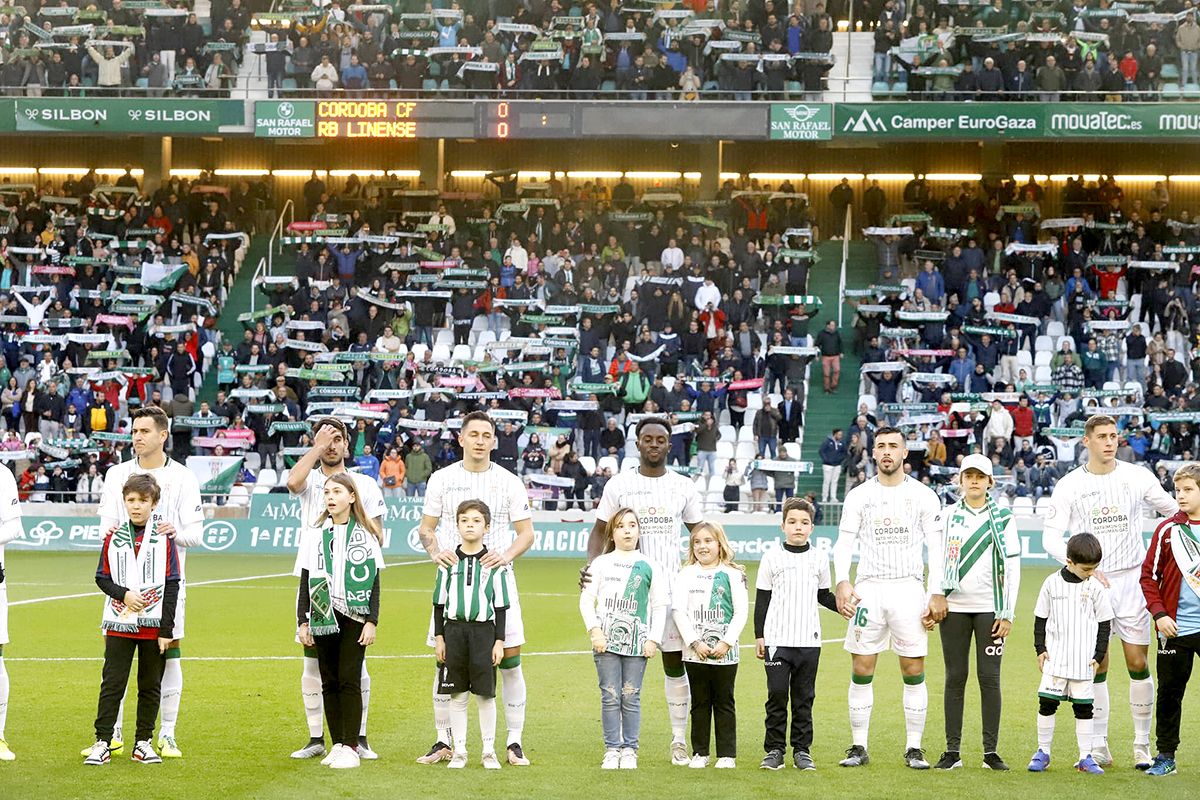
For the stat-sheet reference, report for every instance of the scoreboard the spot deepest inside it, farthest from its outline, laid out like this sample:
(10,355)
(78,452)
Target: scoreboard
(427,118)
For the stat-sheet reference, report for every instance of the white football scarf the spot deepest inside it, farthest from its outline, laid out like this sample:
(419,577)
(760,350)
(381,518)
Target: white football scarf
(143,571)
(1186,549)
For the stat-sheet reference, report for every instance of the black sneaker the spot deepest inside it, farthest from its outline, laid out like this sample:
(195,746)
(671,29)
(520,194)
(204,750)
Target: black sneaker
(994,761)
(914,758)
(803,760)
(856,756)
(949,760)
(773,760)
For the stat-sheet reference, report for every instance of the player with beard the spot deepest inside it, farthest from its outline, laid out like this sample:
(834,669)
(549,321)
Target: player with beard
(662,500)
(888,520)
(1108,499)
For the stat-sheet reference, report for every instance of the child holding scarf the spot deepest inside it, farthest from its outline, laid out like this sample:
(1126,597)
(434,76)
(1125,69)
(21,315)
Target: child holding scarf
(982,576)
(337,609)
(139,573)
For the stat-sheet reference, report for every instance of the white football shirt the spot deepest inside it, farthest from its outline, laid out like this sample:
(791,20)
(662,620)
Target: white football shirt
(662,505)
(10,510)
(502,492)
(793,580)
(1073,613)
(889,525)
(312,506)
(1110,507)
(180,503)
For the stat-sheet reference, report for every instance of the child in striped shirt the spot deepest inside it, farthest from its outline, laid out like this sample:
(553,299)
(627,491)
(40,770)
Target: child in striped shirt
(1072,622)
(792,581)
(709,604)
(469,605)
(624,608)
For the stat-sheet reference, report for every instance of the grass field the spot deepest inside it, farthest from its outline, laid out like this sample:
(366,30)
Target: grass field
(242,714)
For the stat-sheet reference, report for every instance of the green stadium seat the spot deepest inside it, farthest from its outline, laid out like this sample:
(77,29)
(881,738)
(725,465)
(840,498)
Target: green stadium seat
(429,85)
(795,87)
(143,83)
(608,86)
(880,89)
(435,69)
(1170,91)
(1170,72)
(1191,92)
(393,85)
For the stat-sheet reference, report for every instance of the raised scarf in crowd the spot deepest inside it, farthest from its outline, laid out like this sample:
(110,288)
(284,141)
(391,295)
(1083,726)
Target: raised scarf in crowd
(143,571)
(962,555)
(356,563)
(1186,549)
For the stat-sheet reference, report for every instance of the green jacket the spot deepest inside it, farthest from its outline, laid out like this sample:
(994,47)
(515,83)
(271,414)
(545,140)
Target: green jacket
(417,467)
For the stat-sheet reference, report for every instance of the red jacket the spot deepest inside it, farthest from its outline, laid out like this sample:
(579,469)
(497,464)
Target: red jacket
(1161,578)
(1022,421)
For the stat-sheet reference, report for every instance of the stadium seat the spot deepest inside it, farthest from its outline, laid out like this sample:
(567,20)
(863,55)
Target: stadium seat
(1041,374)
(880,89)
(1054,329)
(480,323)
(728,433)
(754,401)
(1043,358)
(1134,388)
(485,337)
(608,462)
(589,464)
(1191,92)
(1170,91)
(1111,385)
(1064,340)
(868,400)
(1170,72)
(461,352)
(1024,359)
(908,285)
(669,382)
(267,477)
(418,350)
(990,300)
(239,495)
(1043,342)
(1022,507)
(441,353)
(745,452)
(725,450)
(629,462)
(1042,505)
(745,434)
(445,337)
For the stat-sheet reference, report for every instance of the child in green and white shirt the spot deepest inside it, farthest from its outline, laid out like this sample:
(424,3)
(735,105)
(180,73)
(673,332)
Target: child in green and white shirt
(624,610)
(709,603)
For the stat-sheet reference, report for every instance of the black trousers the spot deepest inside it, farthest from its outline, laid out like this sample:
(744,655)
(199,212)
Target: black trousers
(956,631)
(118,660)
(791,672)
(712,702)
(340,659)
(1175,657)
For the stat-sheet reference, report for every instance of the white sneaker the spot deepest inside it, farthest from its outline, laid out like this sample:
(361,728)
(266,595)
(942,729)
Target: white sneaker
(1141,756)
(490,761)
(333,753)
(612,760)
(6,753)
(679,754)
(458,760)
(143,753)
(310,750)
(347,758)
(698,762)
(726,763)
(98,754)
(364,750)
(628,758)
(1101,755)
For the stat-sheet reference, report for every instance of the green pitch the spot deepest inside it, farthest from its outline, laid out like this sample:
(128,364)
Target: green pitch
(241,714)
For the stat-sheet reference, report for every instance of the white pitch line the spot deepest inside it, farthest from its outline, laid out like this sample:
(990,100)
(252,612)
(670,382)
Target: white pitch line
(213,582)
(402,657)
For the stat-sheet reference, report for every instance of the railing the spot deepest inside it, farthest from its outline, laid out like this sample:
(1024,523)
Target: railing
(846,234)
(277,233)
(260,271)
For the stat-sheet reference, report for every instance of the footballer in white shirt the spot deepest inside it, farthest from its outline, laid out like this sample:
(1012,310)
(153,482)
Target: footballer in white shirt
(1108,499)
(511,534)
(889,520)
(306,481)
(662,501)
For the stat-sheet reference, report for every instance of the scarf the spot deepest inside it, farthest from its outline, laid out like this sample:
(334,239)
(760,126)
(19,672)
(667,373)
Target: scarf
(962,555)
(354,566)
(1186,549)
(143,571)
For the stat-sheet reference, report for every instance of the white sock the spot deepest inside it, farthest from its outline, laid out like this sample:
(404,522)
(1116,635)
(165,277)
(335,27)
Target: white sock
(487,722)
(1141,703)
(1100,715)
(365,681)
(1084,736)
(458,721)
(3,696)
(172,692)
(862,699)
(314,703)
(916,706)
(441,712)
(679,698)
(1045,732)
(514,702)
(120,723)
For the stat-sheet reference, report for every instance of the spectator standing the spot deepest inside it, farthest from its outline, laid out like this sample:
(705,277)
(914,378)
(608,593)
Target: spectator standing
(833,455)
(829,343)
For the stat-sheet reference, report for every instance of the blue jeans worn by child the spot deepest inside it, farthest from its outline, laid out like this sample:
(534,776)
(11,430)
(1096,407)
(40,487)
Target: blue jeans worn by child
(620,698)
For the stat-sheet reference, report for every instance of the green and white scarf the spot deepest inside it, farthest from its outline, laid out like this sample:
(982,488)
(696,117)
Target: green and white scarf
(1186,549)
(961,555)
(350,569)
(143,571)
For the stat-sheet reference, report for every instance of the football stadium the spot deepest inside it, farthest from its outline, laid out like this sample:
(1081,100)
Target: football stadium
(650,371)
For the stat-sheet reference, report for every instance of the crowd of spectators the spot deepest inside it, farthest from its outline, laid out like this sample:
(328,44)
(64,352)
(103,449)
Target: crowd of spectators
(994,329)
(553,49)
(109,299)
(1004,50)
(565,314)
